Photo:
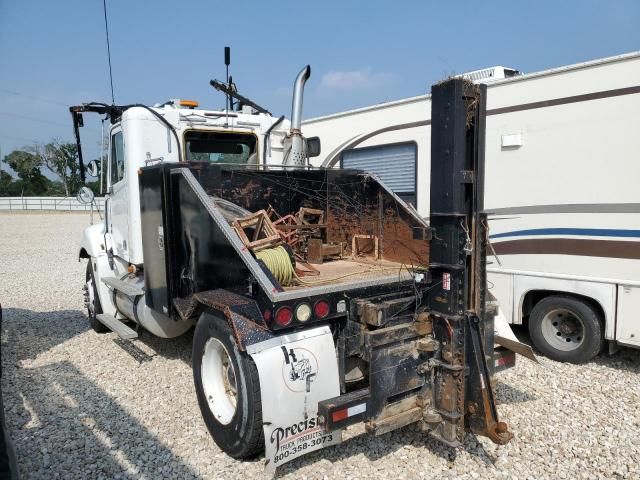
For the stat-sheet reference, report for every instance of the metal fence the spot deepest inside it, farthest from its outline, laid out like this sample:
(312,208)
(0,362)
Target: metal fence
(68,204)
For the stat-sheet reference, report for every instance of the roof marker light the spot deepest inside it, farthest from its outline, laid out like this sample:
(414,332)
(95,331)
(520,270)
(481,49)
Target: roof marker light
(189,103)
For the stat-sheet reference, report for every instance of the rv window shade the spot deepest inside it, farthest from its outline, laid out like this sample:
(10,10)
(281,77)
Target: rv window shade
(395,164)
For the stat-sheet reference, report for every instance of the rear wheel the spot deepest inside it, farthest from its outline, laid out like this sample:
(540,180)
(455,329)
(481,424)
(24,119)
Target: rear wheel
(92,301)
(228,388)
(566,329)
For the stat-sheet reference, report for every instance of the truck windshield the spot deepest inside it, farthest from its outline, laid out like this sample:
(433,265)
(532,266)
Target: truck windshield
(220,147)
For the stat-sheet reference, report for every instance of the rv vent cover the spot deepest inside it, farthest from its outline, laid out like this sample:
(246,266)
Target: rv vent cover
(490,74)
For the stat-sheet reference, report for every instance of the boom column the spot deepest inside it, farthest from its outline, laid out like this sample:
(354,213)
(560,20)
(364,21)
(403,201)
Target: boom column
(462,394)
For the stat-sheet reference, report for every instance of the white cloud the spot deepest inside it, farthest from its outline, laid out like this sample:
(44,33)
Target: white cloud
(364,78)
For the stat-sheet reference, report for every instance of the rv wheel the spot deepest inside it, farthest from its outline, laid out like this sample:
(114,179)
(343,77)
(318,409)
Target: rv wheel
(92,301)
(227,388)
(566,329)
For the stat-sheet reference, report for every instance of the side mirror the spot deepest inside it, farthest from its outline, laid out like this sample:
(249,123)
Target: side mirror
(85,195)
(93,168)
(313,146)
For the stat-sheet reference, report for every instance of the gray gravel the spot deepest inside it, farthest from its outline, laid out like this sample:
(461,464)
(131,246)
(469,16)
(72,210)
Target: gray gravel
(80,406)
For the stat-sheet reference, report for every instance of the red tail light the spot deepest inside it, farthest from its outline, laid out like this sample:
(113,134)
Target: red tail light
(284,316)
(321,309)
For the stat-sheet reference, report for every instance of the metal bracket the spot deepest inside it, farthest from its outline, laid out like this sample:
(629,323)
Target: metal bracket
(466,176)
(480,402)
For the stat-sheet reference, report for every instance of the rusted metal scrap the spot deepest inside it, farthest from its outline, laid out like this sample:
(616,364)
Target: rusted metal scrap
(257,231)
(288,235)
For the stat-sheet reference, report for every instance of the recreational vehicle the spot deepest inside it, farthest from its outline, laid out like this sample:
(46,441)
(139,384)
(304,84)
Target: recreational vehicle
(562,194)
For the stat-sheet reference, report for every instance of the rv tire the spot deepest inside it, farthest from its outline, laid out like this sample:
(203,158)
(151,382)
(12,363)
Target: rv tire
(566,329)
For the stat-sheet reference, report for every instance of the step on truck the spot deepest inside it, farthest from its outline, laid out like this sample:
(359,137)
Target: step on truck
(319,299)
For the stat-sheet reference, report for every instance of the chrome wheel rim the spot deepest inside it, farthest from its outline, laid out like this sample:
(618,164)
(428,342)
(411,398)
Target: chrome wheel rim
(219,381)
(563,329)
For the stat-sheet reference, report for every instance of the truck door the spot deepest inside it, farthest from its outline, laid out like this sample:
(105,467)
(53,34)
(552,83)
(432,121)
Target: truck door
(118,204)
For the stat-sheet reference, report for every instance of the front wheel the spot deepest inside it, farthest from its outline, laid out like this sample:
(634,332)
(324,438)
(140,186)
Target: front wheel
(228,389)
(92,301)
(566,329)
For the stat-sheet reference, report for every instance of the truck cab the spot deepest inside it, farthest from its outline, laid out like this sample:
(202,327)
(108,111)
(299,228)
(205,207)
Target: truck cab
(139,139)
(172,132)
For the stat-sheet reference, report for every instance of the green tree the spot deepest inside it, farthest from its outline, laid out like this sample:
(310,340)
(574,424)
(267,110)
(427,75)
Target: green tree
(61,159)
(95,187)
(27,166)
(8,187)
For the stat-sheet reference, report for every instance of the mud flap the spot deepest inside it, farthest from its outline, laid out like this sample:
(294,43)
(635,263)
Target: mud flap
(296,372)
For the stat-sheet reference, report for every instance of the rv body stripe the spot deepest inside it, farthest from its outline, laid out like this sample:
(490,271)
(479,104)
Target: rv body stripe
(584,232)
(566,100)
(570,246)
(567,208)
(332,160)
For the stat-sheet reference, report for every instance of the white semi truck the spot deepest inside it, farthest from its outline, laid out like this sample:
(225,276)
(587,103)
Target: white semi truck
(561,183)
(319,298)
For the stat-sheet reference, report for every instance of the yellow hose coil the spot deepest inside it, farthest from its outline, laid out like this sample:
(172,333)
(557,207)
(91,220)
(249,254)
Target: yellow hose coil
(278,262)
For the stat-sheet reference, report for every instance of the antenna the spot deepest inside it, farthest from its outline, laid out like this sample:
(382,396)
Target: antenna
(106,28)
(227,62)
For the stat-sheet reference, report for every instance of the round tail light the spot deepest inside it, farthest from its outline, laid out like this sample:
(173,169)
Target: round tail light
(284,316)
(303,312)
(321,308)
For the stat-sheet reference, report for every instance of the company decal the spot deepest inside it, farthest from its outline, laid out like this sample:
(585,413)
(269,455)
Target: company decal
(299,368)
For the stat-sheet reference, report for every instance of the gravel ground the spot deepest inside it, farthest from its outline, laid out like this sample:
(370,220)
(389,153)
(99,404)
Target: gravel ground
(83,405)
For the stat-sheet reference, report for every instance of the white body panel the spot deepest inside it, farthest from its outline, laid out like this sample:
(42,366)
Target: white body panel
(629,307)
(144,138)
(119,216)
(562,171)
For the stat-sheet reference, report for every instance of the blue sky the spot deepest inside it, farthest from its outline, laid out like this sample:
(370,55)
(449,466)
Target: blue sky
(53,54)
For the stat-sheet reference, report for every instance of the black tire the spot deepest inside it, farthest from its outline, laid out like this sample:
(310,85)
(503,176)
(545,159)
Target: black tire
(584,341)
(97,307)
(242,436)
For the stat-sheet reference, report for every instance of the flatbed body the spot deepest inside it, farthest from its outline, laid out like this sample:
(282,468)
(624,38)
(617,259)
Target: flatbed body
(176,200)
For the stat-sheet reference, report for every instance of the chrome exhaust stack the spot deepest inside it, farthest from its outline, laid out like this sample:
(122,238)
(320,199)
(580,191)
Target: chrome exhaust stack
(297,155)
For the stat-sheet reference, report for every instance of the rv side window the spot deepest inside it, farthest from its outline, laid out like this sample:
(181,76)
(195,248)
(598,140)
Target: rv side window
(394,163)
(117,158)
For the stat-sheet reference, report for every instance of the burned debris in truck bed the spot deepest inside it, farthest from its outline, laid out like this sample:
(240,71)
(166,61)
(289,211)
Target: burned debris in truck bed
(337,227)
(353,203)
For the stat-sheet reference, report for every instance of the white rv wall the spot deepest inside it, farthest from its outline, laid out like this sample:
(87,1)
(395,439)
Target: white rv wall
(585,152)
(337,131)
(589,133)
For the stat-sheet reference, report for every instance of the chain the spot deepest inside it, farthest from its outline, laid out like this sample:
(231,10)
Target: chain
(468,246)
